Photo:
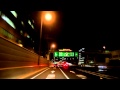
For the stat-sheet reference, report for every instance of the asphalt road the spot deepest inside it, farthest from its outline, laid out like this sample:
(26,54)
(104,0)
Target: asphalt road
(57,73)
(19,72)
(111,74)
(33,72)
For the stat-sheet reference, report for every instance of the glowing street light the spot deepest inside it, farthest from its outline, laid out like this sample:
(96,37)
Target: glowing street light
(53,46)
(47,18)
(104,47)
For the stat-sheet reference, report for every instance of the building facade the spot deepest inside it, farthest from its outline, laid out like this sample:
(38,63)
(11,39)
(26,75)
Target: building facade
(19,28)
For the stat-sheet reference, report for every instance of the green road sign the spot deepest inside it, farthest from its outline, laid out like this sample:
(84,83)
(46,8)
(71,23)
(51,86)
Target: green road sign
(76,54)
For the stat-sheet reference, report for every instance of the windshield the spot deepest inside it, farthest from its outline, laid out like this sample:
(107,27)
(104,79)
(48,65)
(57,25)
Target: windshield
(59,44)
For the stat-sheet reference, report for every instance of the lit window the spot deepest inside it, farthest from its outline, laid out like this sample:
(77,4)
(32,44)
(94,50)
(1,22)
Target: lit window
(28,36)
(29,22)
(14,13)
(8,21)
(21,32)
(32,26)
(22,23)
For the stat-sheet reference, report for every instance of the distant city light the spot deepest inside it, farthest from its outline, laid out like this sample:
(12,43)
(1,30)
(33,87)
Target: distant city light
(8,21)
(65,50)
(104,47)
(14,13)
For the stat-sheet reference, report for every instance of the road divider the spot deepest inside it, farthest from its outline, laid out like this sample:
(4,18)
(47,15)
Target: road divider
(98,74)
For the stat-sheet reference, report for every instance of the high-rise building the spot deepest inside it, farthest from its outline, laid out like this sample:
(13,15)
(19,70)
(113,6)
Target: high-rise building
(18,27)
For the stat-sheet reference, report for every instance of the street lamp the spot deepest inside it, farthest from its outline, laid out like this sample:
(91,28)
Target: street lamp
(104,47)
(46,18)
(53,46)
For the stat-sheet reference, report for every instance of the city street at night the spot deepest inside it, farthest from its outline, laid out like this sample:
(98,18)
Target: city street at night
(59,44)
(72,72)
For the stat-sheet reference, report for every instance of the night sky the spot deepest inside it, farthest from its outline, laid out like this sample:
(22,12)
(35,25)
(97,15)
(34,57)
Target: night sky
(91,30)
(90,25)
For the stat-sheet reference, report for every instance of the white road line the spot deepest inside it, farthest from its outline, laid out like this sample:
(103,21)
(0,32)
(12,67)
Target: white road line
(72,71)
(39,73)
(52,71)
(50,76)
(64,74)
(81,76)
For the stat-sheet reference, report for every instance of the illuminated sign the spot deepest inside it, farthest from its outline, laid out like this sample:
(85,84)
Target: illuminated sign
(65,54)
(76,54)
(65,50)
(81,59)
(56,54)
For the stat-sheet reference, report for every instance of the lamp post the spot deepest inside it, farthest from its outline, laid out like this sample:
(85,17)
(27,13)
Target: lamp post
(52,47)
(45,16)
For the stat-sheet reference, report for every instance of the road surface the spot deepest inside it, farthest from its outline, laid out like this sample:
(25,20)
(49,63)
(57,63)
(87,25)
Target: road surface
(33,72)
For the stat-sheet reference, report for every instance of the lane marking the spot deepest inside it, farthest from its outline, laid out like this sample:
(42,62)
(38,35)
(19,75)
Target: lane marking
(29,74)
(64,74)
(17,67)
(52,71)
(72,71)
(39,73)
(50,76)
(81,76)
